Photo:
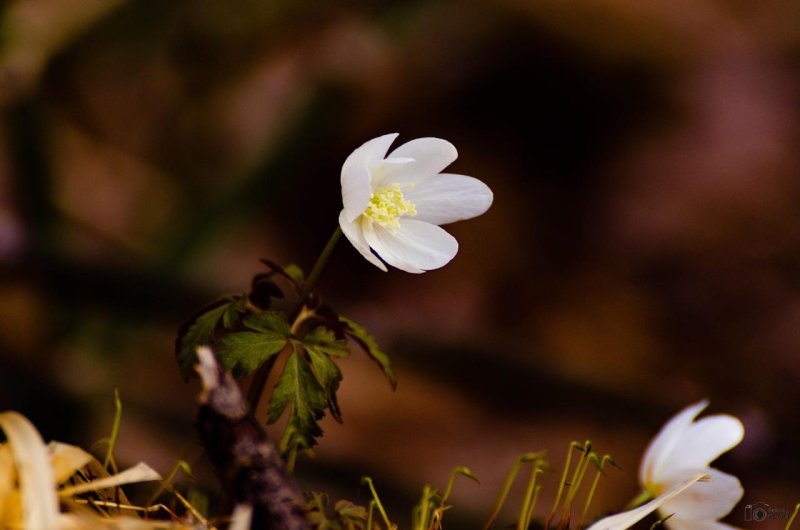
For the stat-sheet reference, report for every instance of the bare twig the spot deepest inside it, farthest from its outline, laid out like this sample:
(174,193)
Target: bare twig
(247,463)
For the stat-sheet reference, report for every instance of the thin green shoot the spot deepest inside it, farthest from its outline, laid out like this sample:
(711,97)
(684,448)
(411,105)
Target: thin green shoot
(370,514)
(112,440)
(643,497)
(533,505)
(189,506)
(460,470)
(660,522)
(525,511)
(371,486)
(572,446)
(600,466)
(166,484)
(421,514)
(575,484)
(512,474)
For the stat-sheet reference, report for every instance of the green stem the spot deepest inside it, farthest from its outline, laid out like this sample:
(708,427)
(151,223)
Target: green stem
(525,511)
(643,497)
(112,441)
(593,489)
(512,475)
(259,381)
(322,260)
(575,484)
(574,445)
(371,514)
(167,482)
(533,505)
(368,482)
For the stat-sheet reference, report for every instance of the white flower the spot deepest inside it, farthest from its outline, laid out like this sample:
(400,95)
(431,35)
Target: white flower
(683,448)
(677,458)
(393,204)
(624,520)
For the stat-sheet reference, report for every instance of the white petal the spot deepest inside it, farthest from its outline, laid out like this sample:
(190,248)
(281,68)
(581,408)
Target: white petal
(708,500)
(658,452)
(624,520)
(356,180)
(384,244)
(706,439)
(141,472)
(40,504)
(448,198)
(431,156)
(676,523)
(416,247)
(354,234)
(66,459)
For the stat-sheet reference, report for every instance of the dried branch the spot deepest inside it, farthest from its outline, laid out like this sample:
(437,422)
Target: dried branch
(247,463)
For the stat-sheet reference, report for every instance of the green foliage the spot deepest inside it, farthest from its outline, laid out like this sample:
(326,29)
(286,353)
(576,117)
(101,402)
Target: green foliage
(295,273)
(233,313)
(429,511)
(202,327)
(323,340)
(345,514)
(247,335)
(244,351)
(291,272)
(298,388)
(329,376)
(269,322)
(358,333)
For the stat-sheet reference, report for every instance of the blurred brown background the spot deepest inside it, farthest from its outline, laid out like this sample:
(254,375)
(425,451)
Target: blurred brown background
(642,252)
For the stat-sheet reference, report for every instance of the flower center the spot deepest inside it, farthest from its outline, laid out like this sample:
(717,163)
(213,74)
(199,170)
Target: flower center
(387,206)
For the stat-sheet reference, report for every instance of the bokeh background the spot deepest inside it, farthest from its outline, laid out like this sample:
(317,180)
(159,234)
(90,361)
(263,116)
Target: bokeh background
(642,252)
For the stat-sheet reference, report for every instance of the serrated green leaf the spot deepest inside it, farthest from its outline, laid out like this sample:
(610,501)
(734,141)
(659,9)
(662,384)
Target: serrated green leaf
(244,351)
(358,333)
(298,387)
(269,321)
(233,312)
(329,376)
(324,340)
(199,331)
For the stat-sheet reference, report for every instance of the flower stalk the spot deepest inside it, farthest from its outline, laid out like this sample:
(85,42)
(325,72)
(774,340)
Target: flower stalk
(319,265)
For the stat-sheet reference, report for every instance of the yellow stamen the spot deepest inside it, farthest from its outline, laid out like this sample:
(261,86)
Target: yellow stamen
(387,206)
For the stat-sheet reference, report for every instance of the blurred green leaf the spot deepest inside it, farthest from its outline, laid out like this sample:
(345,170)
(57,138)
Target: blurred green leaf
(233,312)
(358,333)
(294,272)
